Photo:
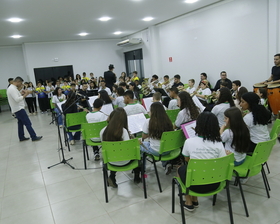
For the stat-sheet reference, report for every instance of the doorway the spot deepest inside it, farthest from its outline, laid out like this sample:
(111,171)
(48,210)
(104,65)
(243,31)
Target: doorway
(134,62)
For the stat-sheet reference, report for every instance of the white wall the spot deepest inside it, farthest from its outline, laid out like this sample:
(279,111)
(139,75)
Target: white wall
(85,56)
(237,36)
(11,64)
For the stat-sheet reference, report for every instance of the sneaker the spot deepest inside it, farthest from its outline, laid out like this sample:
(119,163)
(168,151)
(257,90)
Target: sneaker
(112,182)
(97,157)
(195,204)
(61,126)
(34,114)
(29,114)
(168,169)
(72,142)
(37,138)
(190,208)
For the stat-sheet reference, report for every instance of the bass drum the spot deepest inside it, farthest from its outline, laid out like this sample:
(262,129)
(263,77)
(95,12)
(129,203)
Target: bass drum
(259,85)
(273,94)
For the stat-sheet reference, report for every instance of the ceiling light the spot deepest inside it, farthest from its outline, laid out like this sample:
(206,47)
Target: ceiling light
(118,33)
(16,36)
(105,18)
(191,1)
(148,19)
(83,34)
(15,20)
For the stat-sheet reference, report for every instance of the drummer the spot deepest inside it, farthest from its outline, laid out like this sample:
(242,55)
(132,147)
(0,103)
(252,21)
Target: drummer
(275,72)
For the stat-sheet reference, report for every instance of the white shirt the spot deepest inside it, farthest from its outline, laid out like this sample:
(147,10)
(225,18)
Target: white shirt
(205,92)
(134,108)
(219,110)
(227,137)
(258,133)
(119,101)
(154,143)
(50,88)
(95,117)
(30,95)
(173,105)
(106,89)
(196,148)
(182,117)
(57,99)
(190,90)
(125,137)
(15,99)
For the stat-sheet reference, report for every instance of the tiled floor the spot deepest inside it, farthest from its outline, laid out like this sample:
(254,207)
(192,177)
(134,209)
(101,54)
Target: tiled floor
(32,194)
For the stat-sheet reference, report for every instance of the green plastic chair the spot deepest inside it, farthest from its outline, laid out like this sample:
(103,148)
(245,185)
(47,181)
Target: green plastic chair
(203,172)
(121,151)
(170,141)
(254,164)
(73,119)
(172,114)
(274,128)
(89,131)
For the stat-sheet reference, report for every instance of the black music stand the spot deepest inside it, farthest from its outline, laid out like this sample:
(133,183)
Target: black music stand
(162,91)
(63,161)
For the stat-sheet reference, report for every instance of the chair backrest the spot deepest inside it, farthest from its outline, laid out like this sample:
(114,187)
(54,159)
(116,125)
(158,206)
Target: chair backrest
(274,128)
(52,104)
(92,130)
(172,114)
(209,171)
(171,140)
(120,150)
(73,119)
(262,152)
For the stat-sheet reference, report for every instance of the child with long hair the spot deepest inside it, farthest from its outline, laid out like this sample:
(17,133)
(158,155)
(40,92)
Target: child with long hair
(153,128)
(132,86)
(119,101)
(103,95)
(117,130)
(235,135)
(188,110)
(224,102)
(207,144)
(256,120)
(262,93)
(58,97)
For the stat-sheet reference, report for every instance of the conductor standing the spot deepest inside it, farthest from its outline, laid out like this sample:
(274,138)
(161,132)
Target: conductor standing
(110,77)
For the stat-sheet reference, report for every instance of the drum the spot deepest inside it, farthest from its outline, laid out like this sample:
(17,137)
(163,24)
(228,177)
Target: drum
(258,85)
(273,95)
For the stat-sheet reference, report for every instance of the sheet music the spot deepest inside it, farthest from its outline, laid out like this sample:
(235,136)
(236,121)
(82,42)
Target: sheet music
(136,122)
(91,100)
(188,129)
(107,109)
(198,103)
(60,104)
(147,103)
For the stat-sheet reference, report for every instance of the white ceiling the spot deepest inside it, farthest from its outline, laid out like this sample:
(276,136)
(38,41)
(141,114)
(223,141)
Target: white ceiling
(62,20)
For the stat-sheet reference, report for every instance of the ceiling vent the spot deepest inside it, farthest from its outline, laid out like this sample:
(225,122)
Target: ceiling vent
(129,42)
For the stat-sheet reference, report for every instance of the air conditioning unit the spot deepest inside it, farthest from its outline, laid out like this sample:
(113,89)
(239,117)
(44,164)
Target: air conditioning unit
(129,42)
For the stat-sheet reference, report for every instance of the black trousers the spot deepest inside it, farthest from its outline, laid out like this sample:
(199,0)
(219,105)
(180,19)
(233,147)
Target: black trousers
(34,102)
(29,102)
(43,104)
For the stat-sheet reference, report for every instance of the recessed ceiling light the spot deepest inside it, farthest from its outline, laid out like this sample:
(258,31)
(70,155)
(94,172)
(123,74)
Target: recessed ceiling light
(118,33)
(16,36)
(105,18)
(147,19)
(83,34)
(191,1)
(15,20)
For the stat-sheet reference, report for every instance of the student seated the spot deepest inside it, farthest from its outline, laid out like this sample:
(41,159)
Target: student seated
(188,110)
(262,93)
(94,117)
(207,144)
(256,120)
(173,105)
(132,86)
(117,130)
(132,107)
(224,102)
(236,84)
(191,88)
(103,87)
(235,135)
(58,97)
(203,92)
(124,86)
(153,128)
(157,98)
(103,95)
(119,101)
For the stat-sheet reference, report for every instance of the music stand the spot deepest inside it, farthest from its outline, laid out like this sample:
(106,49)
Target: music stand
(63,161)
(162,91)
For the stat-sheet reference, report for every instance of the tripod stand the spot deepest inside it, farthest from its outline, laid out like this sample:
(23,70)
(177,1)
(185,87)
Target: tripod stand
(63,161)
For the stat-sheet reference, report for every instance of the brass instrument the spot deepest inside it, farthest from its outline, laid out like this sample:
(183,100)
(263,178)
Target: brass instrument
(145,87)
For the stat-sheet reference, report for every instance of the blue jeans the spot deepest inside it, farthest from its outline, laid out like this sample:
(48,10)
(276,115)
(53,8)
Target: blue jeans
(23,119)
(76,136)
(147,149)
(239,163)
(59,116)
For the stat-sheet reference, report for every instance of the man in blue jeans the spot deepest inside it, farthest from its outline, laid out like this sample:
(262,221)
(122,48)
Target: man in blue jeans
(16,101)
